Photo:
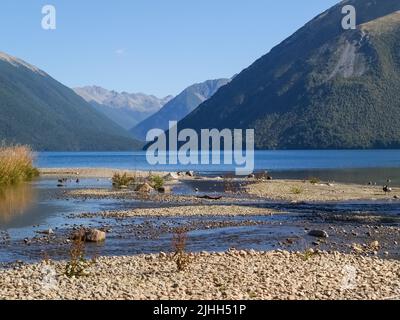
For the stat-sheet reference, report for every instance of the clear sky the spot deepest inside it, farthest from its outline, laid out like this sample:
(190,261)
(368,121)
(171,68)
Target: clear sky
(152,46)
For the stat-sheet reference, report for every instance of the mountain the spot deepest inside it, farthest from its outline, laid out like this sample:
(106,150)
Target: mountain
(39,111)
(179,107)
(322,88)
(126,109)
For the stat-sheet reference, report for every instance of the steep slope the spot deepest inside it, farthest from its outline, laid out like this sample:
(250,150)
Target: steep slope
(179,107)
(37,110)
(126,109)
(323,87)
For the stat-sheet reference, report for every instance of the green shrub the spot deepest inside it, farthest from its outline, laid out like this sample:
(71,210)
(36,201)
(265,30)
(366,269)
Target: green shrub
(297,190)
(156,182)
(120,180)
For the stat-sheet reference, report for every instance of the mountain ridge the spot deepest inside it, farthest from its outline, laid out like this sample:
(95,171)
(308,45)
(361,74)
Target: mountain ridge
(321,88)
(180,106)
(39,111)
(125,109)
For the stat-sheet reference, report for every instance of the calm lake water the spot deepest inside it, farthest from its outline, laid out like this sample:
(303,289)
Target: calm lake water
(264,160)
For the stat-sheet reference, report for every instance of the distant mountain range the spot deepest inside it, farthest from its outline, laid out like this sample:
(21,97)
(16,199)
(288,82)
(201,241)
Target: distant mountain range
(323,87)
(179,107)
(39,111)
(125,109)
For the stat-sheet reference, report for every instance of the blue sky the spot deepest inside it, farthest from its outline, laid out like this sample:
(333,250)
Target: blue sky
(152,46)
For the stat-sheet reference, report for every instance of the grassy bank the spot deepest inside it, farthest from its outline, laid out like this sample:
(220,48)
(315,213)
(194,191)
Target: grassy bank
(16,165)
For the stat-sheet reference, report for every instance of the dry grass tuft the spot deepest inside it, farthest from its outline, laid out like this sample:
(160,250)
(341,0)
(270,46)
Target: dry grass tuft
(181,258)
(16,165)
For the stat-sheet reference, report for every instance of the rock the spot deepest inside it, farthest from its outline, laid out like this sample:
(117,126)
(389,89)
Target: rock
(164,189)
(318,234)
(190,173)
(172,176)
(48,232)
(375,245)
(89,235)
(251,176)
(94,235)
(144,188)
(357,248)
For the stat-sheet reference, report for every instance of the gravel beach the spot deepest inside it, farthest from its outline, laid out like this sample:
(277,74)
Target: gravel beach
(187,211)
(277,275)
(296,190)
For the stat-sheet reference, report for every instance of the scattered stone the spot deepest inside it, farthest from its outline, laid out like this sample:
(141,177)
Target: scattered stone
(357,248)
(47,232)
(280,276)
(172,176)
(318,234)
(375,245)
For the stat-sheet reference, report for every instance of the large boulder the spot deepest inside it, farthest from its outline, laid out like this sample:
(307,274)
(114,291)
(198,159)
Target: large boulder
(94,235)
(89,235)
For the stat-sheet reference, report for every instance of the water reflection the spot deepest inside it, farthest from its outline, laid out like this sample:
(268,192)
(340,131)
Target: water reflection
(16,201)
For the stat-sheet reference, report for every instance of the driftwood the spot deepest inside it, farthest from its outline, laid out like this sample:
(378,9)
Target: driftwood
(210,197)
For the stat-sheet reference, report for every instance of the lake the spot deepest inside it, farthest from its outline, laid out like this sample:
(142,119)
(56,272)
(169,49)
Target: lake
(264,160)
(358,166)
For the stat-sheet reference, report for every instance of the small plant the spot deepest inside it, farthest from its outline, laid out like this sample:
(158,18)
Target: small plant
(297,190)
(314,180)
(229,184)
(122,180)
(308,254)
(157,182)
(181,258)
(78,264)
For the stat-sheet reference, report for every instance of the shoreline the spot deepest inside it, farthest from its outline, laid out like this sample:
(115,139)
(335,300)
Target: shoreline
(91,172)
(289,190)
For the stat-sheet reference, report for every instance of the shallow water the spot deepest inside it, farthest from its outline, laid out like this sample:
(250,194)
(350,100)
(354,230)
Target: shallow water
(35,207)
(26,209)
